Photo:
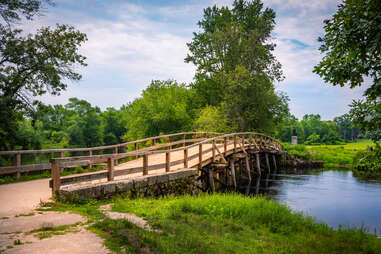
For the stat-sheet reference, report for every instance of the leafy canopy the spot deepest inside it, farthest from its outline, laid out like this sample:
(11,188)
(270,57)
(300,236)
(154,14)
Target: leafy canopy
(352,51)
(236,66)
(33,64)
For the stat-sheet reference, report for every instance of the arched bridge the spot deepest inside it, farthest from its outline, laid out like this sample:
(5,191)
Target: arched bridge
(215,157)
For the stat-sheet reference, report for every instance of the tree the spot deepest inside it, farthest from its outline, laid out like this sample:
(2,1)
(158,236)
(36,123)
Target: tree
(352,51)
(163,108)
(236,66)
(32,65)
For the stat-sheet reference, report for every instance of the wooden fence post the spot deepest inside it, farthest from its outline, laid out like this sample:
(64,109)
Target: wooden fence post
(90,153)
(136,149)
(225,145)
(110,169)
(200,156)
(61,155)
(56,178)
(167,161)
(116,152)
(235,143)
(213,150)
(145,164)
(185,158)
(17,163)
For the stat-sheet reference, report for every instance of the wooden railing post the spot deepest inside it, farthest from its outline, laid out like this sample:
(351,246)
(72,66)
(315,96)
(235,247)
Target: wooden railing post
(213,150)
(62,154)
(225,145)
(235,143)
(116,152)
(186,158)
(56,178)
(136,149)
(200,155)
(243,141)
(17,163)
(90,153)
(110,169)
(145,164)
(167,161)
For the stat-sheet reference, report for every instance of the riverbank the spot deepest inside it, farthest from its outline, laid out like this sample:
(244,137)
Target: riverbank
(218,223)
(334,156)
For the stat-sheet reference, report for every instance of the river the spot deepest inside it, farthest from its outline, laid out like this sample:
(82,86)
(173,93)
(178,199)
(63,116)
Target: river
(330,196)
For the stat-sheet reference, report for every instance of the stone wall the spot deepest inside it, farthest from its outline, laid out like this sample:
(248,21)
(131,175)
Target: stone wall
(182,181)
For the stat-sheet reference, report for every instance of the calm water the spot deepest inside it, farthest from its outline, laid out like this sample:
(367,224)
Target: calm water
(334,197)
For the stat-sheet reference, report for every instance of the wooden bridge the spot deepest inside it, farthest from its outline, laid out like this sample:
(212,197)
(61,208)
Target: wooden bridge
(213,154)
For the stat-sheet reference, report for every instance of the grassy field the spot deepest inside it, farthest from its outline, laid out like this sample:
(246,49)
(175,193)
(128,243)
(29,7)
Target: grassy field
(332,155)
(220,223)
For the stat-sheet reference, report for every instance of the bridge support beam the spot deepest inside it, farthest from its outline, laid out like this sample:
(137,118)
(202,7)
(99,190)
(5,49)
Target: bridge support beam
(258,163)
(211,180)
(233,173)
(248,167)
(275,165)
(268,162)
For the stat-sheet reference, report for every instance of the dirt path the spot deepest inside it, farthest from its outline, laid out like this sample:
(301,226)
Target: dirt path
(18,217)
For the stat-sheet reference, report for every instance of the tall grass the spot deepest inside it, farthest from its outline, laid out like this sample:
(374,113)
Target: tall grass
(228,223)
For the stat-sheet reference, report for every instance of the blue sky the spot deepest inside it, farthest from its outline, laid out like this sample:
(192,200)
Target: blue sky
(131,43)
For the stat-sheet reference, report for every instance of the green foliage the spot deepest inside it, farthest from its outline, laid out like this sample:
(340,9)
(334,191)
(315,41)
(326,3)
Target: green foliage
(311,130)
(210,119)
(32,65)
(236,66)
(367,164)
(165,107)
(367,114)
(351,45)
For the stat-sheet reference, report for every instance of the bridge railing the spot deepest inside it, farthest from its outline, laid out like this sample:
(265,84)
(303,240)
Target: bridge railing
(171,140)
(221,145)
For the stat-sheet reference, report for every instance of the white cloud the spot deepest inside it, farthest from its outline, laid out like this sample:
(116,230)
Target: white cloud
(131,44)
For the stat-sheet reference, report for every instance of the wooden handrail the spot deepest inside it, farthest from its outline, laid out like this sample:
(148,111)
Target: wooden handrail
(248,139)
(17,166)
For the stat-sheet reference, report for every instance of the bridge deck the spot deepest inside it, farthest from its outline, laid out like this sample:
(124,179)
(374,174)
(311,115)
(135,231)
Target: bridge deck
(157,159)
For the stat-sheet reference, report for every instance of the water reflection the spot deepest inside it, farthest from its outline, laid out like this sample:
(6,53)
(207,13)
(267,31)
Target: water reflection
(334,197)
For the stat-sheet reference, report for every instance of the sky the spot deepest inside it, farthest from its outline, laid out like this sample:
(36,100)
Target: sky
(133,42)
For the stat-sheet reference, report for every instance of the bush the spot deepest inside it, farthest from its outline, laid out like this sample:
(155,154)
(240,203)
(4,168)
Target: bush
(367,164)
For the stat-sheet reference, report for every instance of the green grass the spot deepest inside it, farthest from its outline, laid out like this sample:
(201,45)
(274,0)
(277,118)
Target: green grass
(49,231)
(332,155)
(224,223)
